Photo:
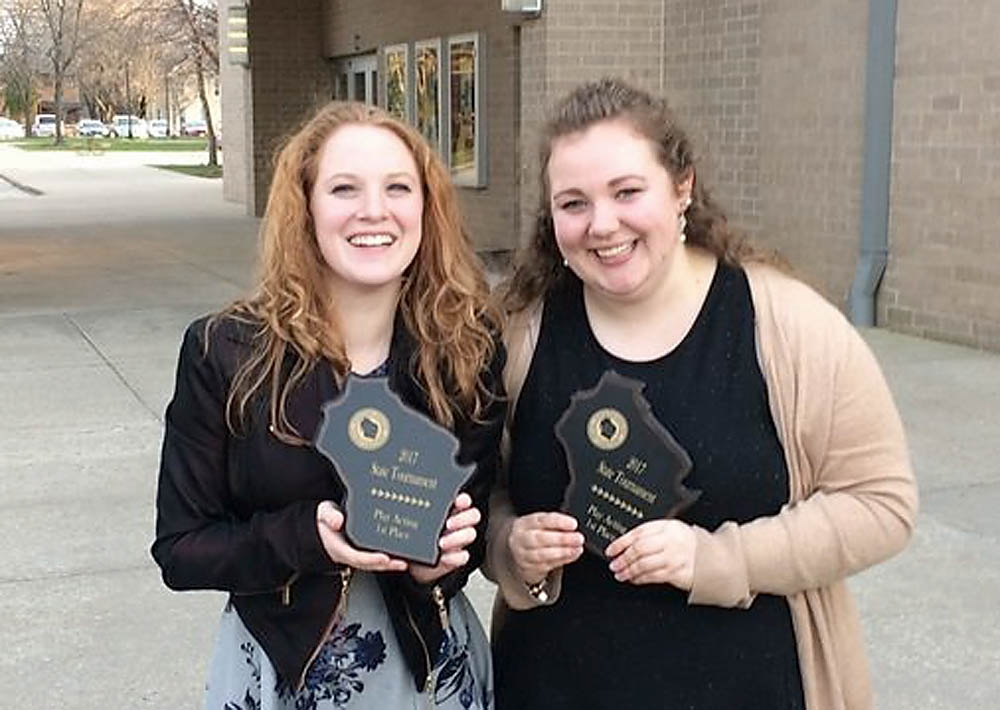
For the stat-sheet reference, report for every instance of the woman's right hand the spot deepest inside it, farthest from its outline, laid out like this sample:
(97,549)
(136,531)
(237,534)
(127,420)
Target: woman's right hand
(330,523)
(542,542)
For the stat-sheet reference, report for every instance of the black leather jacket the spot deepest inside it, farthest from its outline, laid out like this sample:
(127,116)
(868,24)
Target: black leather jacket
(238,513)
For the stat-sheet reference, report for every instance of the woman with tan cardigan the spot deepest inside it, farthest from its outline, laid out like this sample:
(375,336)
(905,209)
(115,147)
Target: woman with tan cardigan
(795,445)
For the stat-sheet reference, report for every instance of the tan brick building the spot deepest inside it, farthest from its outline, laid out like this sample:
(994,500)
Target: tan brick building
(774,91)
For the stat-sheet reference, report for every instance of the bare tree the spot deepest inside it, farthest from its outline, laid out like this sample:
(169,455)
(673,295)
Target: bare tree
(201,22)
(113,37)
(62,17)
(19,59)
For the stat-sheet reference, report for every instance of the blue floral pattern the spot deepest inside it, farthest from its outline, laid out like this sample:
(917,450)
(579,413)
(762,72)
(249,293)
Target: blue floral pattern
(357,667)
(336,672)
(455,676)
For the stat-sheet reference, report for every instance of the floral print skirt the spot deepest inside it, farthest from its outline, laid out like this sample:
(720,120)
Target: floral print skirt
(360,665)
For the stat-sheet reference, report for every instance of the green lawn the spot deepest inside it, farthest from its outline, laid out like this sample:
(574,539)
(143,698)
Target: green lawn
(85,145)
(205,171)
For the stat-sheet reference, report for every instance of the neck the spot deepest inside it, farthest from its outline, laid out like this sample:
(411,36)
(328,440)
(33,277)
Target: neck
(365,318)
(648,325)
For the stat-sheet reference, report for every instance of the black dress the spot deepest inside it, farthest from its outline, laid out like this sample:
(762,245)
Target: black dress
(605,644)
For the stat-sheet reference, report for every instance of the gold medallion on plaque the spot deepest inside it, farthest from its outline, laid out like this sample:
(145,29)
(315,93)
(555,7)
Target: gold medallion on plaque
(607,428)
(368,429)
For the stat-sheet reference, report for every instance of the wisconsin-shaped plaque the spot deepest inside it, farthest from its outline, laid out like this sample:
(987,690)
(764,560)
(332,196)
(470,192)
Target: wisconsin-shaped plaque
(625,468)
(397,466)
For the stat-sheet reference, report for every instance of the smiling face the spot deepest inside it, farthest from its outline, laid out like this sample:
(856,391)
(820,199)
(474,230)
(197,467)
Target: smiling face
(615,209)
(367,207)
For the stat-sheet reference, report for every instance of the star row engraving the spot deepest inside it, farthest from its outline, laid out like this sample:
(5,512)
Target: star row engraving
(401,498)
(615,500)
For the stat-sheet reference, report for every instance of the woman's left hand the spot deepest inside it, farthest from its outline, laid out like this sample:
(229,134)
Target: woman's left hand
(657,552)
(459,532)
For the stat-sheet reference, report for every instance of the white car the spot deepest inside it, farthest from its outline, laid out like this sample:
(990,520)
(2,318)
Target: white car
(44,126)
(195,127)
(120,127)
(158,128)
(89,128)
(10,130)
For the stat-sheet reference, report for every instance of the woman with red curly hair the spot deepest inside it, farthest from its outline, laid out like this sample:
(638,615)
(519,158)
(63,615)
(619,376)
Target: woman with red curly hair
(365,269)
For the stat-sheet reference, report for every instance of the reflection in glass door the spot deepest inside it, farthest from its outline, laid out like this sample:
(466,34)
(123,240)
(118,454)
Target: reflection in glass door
(356,79)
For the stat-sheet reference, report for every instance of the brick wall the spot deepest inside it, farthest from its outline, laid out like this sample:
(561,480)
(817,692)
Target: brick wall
(355,26)
(812,89)
(772,91)
(711,78)
(943,279)
(290,78)
(575,41)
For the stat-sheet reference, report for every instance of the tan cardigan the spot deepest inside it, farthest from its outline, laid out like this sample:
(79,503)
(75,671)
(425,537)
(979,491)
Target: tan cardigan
(853,499)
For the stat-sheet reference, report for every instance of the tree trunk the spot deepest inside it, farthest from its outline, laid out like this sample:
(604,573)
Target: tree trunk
(58,81)
(213,157)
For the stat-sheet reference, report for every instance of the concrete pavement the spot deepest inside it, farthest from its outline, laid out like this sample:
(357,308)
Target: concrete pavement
(98,277)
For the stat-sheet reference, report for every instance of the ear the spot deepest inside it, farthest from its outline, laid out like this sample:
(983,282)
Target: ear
(685,186)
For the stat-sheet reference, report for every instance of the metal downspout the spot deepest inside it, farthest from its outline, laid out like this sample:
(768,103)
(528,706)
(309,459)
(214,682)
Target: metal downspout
(879,77)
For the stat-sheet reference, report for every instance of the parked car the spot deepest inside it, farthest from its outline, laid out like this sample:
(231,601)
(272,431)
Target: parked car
(120,127)
(89,128)
(195,128)
(158,128)
(10,130)
(44,125)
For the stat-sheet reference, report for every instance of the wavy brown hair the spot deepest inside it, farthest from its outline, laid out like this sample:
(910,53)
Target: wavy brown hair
(444,300)
(539,266)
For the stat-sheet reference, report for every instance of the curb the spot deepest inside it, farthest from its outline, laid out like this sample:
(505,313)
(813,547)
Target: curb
(20,186)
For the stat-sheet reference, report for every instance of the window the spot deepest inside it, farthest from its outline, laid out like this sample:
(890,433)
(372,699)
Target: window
(465,144)
(396,84)
(437,86)
(427,64)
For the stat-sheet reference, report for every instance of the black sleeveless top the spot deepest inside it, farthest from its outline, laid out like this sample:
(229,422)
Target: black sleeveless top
(606,644)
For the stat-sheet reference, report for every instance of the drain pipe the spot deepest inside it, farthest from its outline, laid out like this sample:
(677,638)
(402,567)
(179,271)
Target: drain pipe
(879,76)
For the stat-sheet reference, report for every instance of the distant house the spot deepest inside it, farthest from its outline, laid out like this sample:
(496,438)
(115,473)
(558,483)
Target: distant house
(72,105)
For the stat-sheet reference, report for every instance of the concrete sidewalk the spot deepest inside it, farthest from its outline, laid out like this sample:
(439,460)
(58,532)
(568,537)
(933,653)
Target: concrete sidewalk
(99,276)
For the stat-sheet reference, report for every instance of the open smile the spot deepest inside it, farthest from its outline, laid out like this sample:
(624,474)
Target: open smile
(379,239)
(616,251)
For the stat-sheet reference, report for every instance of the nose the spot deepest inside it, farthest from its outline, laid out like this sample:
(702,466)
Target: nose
(603,219)
(372,205)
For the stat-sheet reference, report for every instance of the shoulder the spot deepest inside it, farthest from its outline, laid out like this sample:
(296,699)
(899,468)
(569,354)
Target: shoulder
(788,309)
(218,341)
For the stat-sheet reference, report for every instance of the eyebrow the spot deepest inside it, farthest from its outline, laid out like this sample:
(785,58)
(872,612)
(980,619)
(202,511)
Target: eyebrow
(611,183)
(352,176)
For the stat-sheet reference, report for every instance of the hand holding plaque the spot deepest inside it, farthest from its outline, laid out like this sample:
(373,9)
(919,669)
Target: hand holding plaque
(625,467)
(397,466)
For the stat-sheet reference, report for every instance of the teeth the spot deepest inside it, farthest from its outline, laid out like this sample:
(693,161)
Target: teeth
(609,252)
(370,240)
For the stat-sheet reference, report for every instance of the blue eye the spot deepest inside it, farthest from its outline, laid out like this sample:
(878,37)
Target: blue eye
(342,189)
(627,193)
(399,187)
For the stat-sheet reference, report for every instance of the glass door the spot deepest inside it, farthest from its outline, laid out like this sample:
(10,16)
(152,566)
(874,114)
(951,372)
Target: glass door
(356,79)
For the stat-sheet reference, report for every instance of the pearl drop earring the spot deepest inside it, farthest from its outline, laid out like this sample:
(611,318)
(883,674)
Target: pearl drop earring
(682,220)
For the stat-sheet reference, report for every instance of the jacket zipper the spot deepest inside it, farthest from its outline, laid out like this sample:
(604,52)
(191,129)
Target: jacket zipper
(284,592)
(345,582)
(430,682)
(442,607)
